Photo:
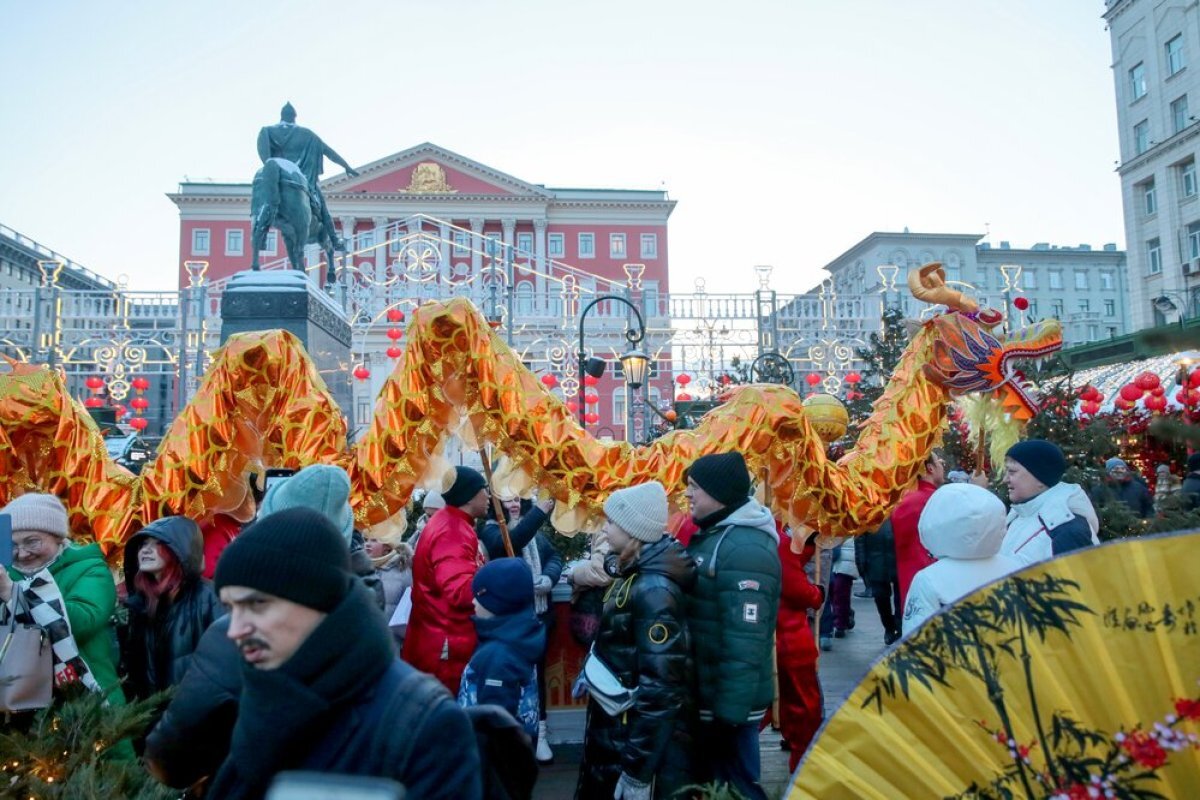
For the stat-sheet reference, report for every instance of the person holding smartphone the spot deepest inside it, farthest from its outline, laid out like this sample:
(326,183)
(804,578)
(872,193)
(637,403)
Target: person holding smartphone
(50,573)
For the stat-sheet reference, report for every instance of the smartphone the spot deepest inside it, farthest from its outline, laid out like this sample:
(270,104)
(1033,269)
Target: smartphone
(6,546)
(276,475)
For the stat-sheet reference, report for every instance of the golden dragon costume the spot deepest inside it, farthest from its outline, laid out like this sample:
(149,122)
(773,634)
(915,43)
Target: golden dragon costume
(263,403)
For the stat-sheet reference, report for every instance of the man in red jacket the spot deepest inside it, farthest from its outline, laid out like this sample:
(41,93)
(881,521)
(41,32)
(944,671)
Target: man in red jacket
(441,635)
(911,555)
(800,706)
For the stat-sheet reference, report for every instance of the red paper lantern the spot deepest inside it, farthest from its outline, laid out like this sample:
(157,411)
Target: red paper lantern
(592,417)
(1122,404)
(1193,397)
(590,380)
(1022,303)
(120,410)
(140,383)
(572,406)
(685,379)
(361,372)
(1158,391)
(94,382)
(853,378)
(1181,397)
(549,381)
(1146,380)
(394,352)
(1194,379)
(671,415)
(1131,393)
(683,397)
(395,315)
(812,380)
(138,423)
(1089,407)
(591,398)
(1154,403)
(395,334)
(93,402)
(139,404)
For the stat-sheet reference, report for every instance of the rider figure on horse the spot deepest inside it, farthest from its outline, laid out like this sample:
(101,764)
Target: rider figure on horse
(297,144)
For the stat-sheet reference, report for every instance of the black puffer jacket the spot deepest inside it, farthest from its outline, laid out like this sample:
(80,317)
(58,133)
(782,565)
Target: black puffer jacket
(158,650)
(644,639)
(875,555)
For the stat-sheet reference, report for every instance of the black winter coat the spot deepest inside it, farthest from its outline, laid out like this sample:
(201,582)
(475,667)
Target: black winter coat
(875,555)
(158,650)
(1191,489)
(192,738)
(643,638)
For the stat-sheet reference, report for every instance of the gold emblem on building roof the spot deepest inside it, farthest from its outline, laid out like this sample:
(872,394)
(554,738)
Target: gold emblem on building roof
(429,178)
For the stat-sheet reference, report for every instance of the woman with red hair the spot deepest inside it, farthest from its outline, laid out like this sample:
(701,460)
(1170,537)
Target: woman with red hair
(170,604)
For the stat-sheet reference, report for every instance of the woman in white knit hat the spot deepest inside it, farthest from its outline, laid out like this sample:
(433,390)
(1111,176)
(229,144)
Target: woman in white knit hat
(640,752)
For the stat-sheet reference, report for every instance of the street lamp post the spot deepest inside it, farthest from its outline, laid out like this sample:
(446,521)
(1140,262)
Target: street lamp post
(772,367)
(634,362)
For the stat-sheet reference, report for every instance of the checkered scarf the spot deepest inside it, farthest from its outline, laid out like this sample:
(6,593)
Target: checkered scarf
(41,603)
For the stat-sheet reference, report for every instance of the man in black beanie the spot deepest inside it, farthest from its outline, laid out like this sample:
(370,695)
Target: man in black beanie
(731,614)
(322,688)
(1190,490)
(1048,516)
(441,636)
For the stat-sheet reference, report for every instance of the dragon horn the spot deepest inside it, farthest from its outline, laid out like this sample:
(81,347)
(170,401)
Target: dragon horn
(928,284)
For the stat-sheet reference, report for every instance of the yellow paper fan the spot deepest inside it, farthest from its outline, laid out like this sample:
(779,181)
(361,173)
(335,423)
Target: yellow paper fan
(1074,673)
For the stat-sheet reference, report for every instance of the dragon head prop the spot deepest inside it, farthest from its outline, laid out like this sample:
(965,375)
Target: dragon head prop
(970,357)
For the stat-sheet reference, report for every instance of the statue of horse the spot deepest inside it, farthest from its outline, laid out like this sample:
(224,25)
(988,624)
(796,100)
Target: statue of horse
(280,199)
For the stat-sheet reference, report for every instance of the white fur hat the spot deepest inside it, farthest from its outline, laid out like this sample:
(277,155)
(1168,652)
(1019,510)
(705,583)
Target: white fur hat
(640,511)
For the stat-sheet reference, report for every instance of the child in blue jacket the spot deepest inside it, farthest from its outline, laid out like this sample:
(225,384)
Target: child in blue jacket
(511,639)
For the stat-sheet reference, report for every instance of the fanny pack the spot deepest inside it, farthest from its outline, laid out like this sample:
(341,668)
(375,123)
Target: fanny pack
(605,688)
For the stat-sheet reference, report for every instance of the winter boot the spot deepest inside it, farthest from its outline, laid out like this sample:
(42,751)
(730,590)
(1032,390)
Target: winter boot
(544,754)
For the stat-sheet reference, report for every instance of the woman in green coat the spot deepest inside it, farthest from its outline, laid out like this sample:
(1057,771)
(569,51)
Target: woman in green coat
(40,541)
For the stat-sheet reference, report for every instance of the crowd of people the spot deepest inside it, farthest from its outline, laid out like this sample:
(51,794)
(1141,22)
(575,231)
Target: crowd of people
(294,644)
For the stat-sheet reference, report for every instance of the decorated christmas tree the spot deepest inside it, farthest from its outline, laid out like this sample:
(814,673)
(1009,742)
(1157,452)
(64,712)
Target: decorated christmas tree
(71,750)
(879,359)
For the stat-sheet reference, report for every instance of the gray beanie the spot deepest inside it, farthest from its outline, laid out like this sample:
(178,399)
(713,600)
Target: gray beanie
(38,512)
(322,488)
(640,511)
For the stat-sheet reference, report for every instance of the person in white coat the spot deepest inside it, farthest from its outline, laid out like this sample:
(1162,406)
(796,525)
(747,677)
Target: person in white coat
(1048,516)
(962,526)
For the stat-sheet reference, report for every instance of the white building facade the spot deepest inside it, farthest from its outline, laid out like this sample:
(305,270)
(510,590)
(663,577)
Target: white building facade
(1156,73)
(1085,288)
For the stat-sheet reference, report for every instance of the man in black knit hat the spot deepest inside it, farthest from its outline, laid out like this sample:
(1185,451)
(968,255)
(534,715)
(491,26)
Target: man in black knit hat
(731,614)
(322,688)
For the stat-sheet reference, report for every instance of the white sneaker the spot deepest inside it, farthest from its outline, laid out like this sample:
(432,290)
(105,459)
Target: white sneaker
(544,754)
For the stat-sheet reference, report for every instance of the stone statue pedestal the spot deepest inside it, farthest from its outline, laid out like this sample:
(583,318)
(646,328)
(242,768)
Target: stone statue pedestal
(287,300)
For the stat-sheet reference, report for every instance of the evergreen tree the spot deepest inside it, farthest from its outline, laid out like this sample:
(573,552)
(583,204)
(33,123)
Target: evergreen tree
(63,751)
(880,359)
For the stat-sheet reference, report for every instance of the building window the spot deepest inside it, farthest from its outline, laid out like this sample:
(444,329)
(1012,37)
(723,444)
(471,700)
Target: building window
(1150,197)
(587,245)
(1187,175)
(1193,234)
(200,239)
(1137,80)
(1110,308)
(1055,279)
(492,245)
(649,245)
(462,243)
(1106,281)
(556,244)
(525,244)
(1033,309)
(618,406)
(366,240)
(1154,256)
(234,242)
(1029,279)
(1141,137)
(1081,281)
(396,243)
(1084,305)
(271,243)
(1175,60)
(524,298)
(1179,114)
(1093,333)
(1056,309)
(616,245)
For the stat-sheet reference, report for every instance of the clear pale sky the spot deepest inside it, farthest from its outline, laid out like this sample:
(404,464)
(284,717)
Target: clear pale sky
(787,131)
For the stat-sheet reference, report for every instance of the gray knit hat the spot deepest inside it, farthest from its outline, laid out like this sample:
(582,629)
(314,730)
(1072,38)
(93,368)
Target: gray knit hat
(321,487)
(38,512)
(640,511)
